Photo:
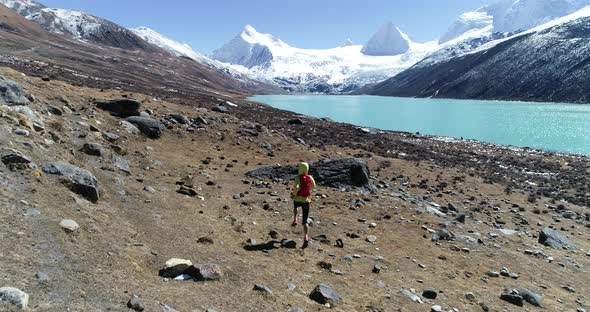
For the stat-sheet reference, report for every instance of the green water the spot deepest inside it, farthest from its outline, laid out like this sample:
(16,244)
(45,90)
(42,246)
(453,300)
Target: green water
(549,126)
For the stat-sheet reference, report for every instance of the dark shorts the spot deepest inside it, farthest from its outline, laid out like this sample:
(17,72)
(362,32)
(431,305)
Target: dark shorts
(305,208)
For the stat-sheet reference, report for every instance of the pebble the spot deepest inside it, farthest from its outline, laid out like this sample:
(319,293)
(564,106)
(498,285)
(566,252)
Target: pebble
(135,303)
(264,289)
(429,294)
(70,226)
(372,239)
(21,131)
(437,308)
(470,296)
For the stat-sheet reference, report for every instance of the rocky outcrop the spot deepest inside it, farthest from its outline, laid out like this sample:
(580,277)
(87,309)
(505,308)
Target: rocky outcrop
(552,238)
(11,93)
(76,179)
(345,172)
(121,107)
(149,127)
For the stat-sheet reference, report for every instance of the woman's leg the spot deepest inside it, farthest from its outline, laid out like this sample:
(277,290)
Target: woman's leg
(295,214)
(305,208)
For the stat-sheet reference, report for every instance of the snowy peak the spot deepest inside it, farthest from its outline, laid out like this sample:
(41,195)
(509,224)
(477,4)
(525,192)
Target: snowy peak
(23,7)
(388,40)
(347,43)
(170,45)
(510,16)
(249,49)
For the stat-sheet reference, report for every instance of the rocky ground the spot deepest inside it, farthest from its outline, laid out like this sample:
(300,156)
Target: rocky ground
(94,206)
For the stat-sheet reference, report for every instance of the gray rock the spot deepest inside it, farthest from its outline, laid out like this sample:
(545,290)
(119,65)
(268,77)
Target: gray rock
(149,189)
(121,163)
(70,226)
(12,157)
(263,289)
(22,131)
(92,149)
(429,294)
(167,308)
(325,294)
(135,303)
(201,121)
(296,309)
(185,190)
(436,308)
(179,119)
(129,127)
(121,107)
(111,137)
(151,128)
(513,297)
(42,277)
(531,297)
(144,114)
(442,234)
(288,243)
(470,296)
(338,173)
(552,238)
(221,109)
(175,267)
(76,179)
(11,93)
(14,296)
(205,272)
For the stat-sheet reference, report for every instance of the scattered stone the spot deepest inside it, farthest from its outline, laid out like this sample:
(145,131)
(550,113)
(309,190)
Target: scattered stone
(206,240)
(185,190)
(121,163)
(149,189)
(436,308)
(14,296)
(531,297)
(42,277)
(569,288)
(493,274)
(470,296)
(288,243)
(376,269)
(70,226)
(220,109)
(442,234)
(76,179)
(263,289)
(551,238)
(205,272)
(461,218)
(295,121)
(179,119)
(151,128)
(175,267)
(11,93)
(121,107)
(429,294)
(325,294)
(22,131)
(296,309)
(408,293)
(92,149)
(337,173)
(14,158)
(201,121)
(372,239)
(513,297)
(167,308)
(129,127)
(135,303)
(54,110)
(111,137)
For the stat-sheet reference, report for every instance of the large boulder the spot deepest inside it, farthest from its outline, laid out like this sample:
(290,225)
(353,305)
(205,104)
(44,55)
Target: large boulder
(552,238)
(11,93)
(149,127)
(205,272)
(325,294)
(13,296)
(175,267)
(121,107)
(338,173)
(76,179)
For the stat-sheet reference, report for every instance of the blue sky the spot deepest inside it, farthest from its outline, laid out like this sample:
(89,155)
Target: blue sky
(207,25)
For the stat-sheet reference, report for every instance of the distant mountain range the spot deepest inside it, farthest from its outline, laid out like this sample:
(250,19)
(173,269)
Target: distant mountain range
(389,63)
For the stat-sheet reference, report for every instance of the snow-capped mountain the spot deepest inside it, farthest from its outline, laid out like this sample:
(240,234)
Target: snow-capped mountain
(509,16)
(546,63)
(335,70)
(79,25)
(168,44)
(23,7)
(388,40)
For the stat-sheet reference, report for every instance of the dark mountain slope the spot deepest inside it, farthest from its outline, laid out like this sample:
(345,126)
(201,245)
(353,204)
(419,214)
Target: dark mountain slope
(549,65)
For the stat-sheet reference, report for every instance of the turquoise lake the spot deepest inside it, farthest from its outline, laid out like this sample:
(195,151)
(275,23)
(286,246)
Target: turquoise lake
(549,126)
